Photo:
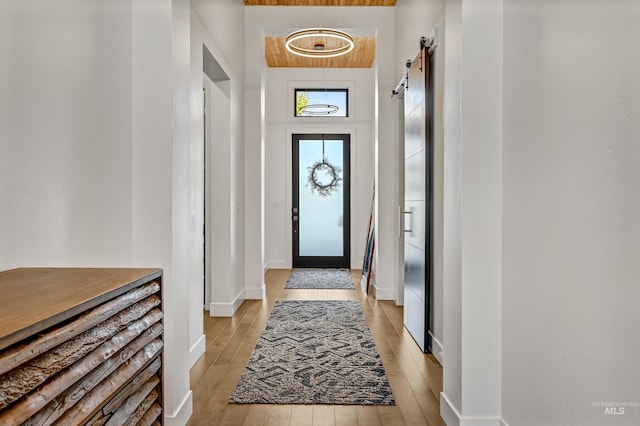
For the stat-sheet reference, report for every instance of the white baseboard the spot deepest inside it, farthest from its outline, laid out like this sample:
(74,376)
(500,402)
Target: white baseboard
(452,416)
(181,415)
(226,309)
(197,350)
(436,348)
(448,412)
(481,421)
(277,264)
(383,293)
(256,293)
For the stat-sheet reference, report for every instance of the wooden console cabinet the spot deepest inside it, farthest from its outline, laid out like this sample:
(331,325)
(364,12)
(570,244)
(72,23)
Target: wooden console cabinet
(81,346)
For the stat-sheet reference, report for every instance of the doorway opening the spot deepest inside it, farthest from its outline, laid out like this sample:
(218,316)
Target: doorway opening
(320,211)
(218,183)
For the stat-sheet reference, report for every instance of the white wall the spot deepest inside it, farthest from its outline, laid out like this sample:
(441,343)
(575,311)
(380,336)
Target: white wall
(451,395)
(472,271)
(541,236)
(65,123)
(481,200)
(164,228)
(253,155)
(571,208)
(281,125)
(219,25)
(415,19)
(221,252)
(224,140)
(96,149)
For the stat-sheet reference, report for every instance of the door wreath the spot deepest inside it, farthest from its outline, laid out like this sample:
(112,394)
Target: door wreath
(319,185)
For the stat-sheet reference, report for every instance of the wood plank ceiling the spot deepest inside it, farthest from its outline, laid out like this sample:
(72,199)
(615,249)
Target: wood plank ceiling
(320,2)
(362,56)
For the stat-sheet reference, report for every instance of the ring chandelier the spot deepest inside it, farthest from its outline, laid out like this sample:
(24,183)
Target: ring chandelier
(319,109)
(295,43)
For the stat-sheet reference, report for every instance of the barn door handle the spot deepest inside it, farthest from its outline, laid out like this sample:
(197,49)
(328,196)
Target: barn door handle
(408,212)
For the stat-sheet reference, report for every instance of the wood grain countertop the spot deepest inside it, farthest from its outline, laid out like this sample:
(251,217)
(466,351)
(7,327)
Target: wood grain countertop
(34,299)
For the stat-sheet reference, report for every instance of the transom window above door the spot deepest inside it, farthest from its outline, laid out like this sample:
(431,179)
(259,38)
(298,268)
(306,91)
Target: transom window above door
(321,102)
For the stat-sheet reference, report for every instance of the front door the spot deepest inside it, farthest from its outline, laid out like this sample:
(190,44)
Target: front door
(320,208)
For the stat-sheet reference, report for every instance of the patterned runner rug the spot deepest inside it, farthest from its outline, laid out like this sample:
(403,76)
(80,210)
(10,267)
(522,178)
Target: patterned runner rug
(315,352)
(308,278)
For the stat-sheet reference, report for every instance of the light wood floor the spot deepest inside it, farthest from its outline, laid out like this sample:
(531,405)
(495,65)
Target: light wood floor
(416,378)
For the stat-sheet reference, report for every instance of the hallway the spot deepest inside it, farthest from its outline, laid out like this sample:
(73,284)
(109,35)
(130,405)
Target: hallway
(416,378)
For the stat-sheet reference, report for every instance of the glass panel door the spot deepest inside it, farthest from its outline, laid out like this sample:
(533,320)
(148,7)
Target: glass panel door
(320,211)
